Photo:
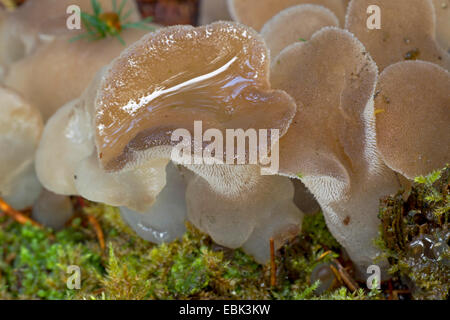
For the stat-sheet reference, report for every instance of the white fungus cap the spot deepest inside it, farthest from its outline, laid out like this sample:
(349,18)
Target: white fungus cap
(20,129)
(255,13)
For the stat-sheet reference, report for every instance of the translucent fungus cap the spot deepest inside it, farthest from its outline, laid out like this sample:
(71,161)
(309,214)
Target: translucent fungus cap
(255,13)
(442,9)
(332,79)
(66,140)
(20,129)
(59,71)
(413,122)
(170,78)
(213,10)
(297,23)
(67,163)
(408,31)
(217,74)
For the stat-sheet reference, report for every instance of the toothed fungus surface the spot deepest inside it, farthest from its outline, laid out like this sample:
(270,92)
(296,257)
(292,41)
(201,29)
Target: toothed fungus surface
(331,140)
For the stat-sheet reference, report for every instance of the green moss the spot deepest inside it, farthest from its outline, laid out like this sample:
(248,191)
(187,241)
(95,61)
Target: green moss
(33,264)
(415,235)
(316,231)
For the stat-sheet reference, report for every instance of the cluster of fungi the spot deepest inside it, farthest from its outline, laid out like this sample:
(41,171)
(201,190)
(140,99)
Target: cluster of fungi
(359,116)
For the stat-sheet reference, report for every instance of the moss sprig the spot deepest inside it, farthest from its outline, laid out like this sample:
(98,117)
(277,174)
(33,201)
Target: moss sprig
(101,24)
(414,235)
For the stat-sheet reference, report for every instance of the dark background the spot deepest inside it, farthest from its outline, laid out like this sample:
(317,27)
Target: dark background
(170,12)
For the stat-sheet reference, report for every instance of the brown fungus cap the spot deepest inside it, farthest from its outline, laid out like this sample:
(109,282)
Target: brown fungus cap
(331,141)
(20,130)
(60,70)
(213,10)
(67,163)
(407,31)
(413,124)
(217,74)
(297,23)
(177,75)
(332,91)
(442,9)
(255,13)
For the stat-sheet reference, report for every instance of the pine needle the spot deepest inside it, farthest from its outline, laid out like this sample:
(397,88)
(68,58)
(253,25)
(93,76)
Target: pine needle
(16,215)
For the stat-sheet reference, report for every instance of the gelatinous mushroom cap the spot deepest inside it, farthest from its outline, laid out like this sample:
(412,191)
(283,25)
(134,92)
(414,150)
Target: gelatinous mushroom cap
(217,74)
(66,140)
(66,160)
(297,23)
(442,9)
(332,79)
(213,10)
(175,76)
(59,71)
(20,129)
(255,13)
(407,31)
(413,122)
